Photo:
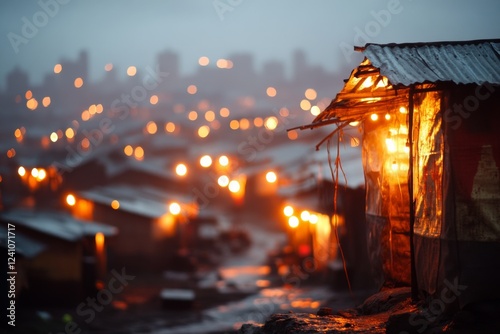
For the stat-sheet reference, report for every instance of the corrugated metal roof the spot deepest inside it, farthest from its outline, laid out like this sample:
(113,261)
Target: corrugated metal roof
(25,246)
(144,201)
(57,224)
(459,62)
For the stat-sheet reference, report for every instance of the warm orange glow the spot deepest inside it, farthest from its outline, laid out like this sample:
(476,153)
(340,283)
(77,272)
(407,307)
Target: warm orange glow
(11,153)
(170,127)
(383,83)
(293,134)
(181,169)
(293,222)
(153,99)
(313,219)
(139,153)
(224,112)
(315,111)
(28,95)
(57,68)
(305,215)
(223,181)
(108,67)
(288,210)
(34,172)
(46,101)
(262,283)
(271,91)
(206,161)
(374,117)
(193,115)
(355,123)
(41,174)
(78,82)
(403,129)
(18,133)
(271,123)
(128,150)
(258,122)
(210,115)
(271,177)
(70,133)
(223,160)
(70,200)
(115,204)
(224,63)
(310,94)
(21,171)
(151,127)
(166,226)
(85,115)
(45,142)
(244,124)
(234,124)
(203,61)
(99,108)
(305,105)
(391,145)
(131,71)
(174,208)
(92,109)
(387,117)
(203,131)
(32,104)
(192,89)
(85,143)
(99,242)
(234,186)
(367,83)
(403,110)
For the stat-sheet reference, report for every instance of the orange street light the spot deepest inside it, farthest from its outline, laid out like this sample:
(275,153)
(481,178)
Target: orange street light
(293,222)
(288,210)
(70,200)
(271,177)
(174,208)
(181,169)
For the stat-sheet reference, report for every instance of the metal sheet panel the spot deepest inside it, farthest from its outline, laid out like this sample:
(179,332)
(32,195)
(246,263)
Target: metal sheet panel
(428,165)
(459,62)
(385,161)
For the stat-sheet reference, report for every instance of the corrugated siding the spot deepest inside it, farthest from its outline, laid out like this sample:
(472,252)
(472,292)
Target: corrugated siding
(459,62)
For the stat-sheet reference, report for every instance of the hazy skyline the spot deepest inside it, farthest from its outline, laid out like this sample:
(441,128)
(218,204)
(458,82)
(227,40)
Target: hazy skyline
(129,32)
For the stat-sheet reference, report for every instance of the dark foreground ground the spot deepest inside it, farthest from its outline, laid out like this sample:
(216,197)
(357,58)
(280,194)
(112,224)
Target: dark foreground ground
(390,311)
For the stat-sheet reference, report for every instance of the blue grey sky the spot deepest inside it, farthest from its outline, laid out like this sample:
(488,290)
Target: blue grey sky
(133,32)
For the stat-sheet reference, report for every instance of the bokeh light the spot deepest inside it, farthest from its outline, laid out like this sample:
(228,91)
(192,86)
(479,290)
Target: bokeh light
(206,161)
(181,169)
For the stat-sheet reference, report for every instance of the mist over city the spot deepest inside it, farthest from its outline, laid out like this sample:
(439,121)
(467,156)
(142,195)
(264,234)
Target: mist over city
(235,166)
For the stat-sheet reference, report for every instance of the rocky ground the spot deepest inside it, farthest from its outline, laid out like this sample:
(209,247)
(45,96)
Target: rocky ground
(389,311)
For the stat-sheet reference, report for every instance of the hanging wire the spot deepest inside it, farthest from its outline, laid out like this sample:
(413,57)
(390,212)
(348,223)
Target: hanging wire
(335,178)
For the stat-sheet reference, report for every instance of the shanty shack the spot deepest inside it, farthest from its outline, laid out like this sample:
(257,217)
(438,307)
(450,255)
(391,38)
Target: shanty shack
(60,254)
(150,222)
(429,114)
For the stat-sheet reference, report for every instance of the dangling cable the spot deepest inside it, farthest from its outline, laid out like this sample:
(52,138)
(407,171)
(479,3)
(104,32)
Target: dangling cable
(335,178)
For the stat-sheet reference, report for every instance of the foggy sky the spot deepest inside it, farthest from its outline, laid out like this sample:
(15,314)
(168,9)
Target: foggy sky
(132,32)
